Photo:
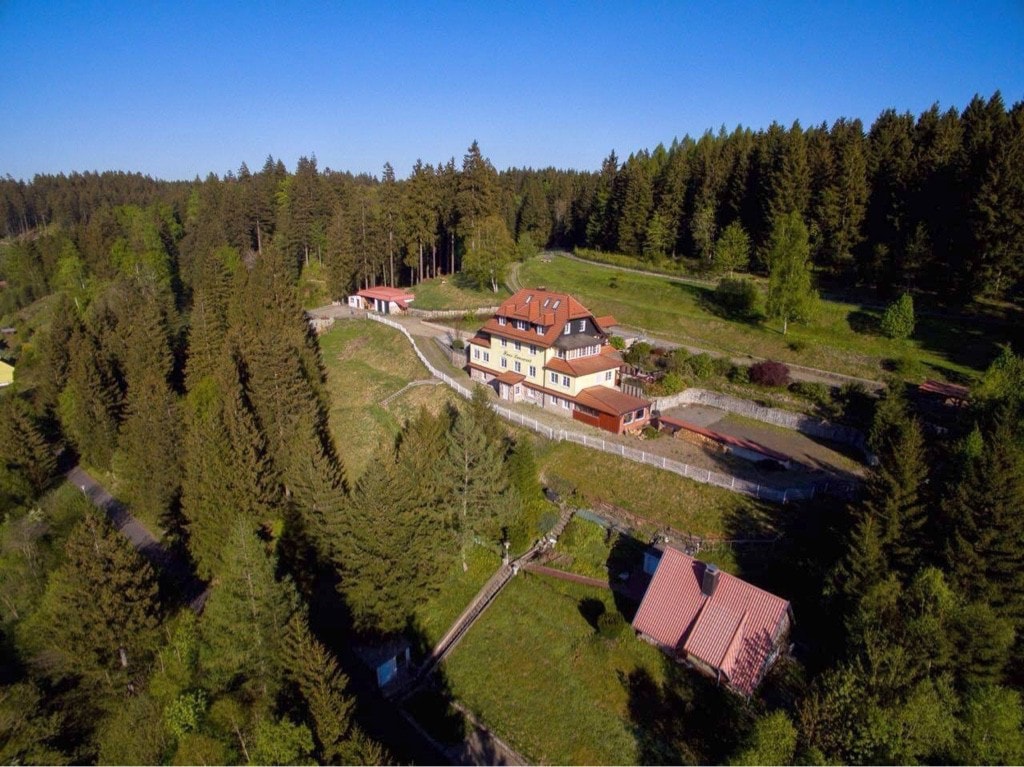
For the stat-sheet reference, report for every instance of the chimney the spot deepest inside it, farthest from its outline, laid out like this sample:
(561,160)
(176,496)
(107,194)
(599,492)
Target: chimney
(710,582)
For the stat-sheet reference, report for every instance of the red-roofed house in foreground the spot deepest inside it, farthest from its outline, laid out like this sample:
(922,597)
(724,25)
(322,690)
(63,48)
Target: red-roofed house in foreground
(722,626)
(382,300)
(548,349)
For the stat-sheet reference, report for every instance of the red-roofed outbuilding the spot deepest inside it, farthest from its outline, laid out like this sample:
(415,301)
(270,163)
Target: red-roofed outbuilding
(724,627)
(382,299)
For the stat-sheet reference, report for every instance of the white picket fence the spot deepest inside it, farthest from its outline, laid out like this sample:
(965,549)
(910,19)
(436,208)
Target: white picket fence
(705,476)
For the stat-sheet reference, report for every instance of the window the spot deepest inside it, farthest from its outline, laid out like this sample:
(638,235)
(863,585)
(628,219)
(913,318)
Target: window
(627,418)
(501,320)
(546,302)
(555,305)
(518,367)
(561,354)
(519,346)
(533,349)
(568,328)
(504,342)
(640,413)
(522,325)
(608,375)
(533,371)
(565,380)
(554,401)
(529,298)
(554,378)
(476,354)
(540,330)
(487,356)
(582,325)
(566,404)
(504,362)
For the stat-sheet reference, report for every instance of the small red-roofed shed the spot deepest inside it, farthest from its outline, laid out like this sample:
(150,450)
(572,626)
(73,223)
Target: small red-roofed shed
(383,300)
(717,623)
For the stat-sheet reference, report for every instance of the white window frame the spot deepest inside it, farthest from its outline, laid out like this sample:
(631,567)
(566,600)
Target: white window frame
(504,342)
(476,353)
(501,320)
(568,329)
(582,326)
(608,374)
(565,381)
(487,356)
(533,349)
(540,330)
(517,367)
(533,371)
(567,404)
(518,345)
(554,377)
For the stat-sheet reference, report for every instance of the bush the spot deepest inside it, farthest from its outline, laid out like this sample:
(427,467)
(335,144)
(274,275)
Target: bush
(650,432)
(797,345)
(898,319)
(769,373)
(617,342)
(739,374)
(458,344)
(670,384)
(611,624)
(722,366)
(818,393)
(639,355)
(702,365)
(737,297)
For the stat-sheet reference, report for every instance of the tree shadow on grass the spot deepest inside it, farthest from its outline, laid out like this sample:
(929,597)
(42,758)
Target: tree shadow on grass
(863,323)
(685,719)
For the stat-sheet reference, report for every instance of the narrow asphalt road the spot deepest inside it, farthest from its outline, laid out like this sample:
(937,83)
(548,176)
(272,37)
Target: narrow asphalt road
(192,590)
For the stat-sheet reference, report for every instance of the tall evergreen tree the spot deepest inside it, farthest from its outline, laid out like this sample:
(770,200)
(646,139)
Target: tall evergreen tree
(90,404)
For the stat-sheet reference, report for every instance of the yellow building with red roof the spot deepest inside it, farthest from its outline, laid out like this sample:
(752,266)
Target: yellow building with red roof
(548,349)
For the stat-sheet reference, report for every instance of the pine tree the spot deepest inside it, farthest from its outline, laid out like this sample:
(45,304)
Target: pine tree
(478,479)
(23,446)
(101,608)
(245,618)
(149,444)
(898,318)
(477,195)
(90,404)
(322,685)
(986,549)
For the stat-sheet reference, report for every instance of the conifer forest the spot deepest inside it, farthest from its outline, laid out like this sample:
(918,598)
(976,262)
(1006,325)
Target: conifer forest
(161,343)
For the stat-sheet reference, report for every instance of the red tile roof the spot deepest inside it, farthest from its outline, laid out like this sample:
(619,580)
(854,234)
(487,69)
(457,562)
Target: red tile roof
(605,322)
(611,401)
(529,305)
(481,339)
(734,630)
(510,379)
(387,294)
(582,366)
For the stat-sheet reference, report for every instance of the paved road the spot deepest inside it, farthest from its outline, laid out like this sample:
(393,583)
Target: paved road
(193,591)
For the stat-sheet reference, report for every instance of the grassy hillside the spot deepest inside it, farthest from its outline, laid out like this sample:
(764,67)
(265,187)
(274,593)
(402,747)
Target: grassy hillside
(366,363)
(843,338)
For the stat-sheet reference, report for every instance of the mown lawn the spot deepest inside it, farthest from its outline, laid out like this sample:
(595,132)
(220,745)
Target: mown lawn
(535,671)
(434,617)
(653,494)
(455,292)
(366,362)
(843,338)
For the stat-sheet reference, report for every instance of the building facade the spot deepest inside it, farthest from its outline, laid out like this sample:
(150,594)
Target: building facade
(382,300)
(548,349)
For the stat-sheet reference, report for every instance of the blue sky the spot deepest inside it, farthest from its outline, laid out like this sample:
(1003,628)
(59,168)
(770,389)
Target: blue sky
(183,89)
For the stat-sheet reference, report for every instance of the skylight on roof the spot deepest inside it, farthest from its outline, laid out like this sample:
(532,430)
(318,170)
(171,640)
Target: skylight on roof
(529,298)
(546,302)
(555,305)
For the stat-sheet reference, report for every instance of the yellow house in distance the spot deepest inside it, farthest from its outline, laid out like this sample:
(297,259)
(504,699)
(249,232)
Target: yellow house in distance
(548,349)
(6,374)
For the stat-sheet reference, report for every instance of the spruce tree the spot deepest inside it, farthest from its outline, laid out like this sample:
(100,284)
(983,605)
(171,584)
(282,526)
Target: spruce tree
(101,609)
(243,625)
(90,404)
